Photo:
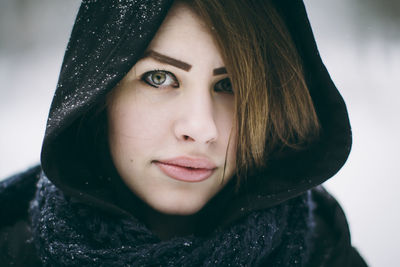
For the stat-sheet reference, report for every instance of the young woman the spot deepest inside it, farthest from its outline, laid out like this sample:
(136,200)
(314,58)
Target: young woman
(185,133)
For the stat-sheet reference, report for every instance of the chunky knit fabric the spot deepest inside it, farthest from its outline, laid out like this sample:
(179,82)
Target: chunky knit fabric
(69,233)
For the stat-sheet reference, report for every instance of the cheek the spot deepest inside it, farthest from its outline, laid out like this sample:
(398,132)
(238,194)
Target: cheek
(134,120)
(230,120)
(132,130)
(225,119)
(224,116)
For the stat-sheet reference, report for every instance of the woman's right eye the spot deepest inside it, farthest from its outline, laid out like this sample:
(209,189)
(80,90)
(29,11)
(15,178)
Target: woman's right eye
(160,78)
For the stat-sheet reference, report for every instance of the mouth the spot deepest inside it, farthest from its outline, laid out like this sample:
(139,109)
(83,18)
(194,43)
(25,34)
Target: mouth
(187,169)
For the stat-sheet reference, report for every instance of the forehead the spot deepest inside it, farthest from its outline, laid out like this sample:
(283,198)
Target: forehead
(183,12)
(180,23)
(183,35)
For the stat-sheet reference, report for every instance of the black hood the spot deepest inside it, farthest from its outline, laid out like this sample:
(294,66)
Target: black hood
(109,37)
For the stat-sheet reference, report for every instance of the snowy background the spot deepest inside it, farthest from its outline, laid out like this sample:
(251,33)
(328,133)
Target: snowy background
(359,41)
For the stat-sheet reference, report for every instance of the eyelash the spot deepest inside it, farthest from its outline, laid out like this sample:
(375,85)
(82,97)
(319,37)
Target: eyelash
(147,78)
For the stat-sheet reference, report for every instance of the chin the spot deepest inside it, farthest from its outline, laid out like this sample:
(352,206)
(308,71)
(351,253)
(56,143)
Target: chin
(177,206)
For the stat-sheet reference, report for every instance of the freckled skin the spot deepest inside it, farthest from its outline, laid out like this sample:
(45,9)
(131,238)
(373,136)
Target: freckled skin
(147,124)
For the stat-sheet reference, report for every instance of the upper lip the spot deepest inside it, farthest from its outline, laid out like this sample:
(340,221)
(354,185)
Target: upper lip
(189,162)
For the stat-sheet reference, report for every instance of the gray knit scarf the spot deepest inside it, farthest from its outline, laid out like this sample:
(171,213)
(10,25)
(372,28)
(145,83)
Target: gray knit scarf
(69,233)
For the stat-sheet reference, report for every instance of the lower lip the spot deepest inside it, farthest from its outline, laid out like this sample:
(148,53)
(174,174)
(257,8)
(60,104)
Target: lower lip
(184,174)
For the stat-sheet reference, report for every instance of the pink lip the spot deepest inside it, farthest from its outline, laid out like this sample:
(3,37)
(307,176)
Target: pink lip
(187,169)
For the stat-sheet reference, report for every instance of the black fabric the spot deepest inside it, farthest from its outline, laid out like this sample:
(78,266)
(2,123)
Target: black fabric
(12,207)
(16,242)
(68,233)
(329,243)
(331,238)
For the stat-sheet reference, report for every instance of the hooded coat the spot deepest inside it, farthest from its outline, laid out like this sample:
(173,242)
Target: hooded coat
(66,212)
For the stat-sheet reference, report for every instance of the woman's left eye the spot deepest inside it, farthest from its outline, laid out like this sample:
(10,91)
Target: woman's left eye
(160,78)
(224,86)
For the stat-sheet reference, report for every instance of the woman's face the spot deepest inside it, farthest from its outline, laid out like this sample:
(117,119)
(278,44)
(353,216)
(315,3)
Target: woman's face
(171,117)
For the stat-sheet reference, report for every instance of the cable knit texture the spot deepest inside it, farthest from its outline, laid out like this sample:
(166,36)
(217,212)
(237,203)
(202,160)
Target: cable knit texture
(69,233)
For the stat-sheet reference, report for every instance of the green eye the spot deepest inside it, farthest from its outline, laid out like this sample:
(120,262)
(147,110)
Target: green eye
(160,78)
(224,86)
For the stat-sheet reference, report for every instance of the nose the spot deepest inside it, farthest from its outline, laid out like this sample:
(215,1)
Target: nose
(196,121)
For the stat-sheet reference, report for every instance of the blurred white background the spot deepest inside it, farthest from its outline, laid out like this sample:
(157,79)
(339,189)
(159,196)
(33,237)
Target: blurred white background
(359,41)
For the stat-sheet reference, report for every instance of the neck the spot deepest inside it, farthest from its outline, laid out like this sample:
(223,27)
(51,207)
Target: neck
(164,226)
(167,226)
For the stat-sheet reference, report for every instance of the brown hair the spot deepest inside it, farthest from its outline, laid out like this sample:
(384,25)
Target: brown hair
(273,105)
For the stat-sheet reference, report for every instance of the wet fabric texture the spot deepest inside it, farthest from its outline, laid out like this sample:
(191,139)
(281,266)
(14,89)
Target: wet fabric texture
(280,217)
(21,241)
(69,233)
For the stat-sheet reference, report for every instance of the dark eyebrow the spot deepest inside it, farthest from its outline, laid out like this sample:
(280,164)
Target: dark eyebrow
(220,71)
(177,63)
(168,60)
